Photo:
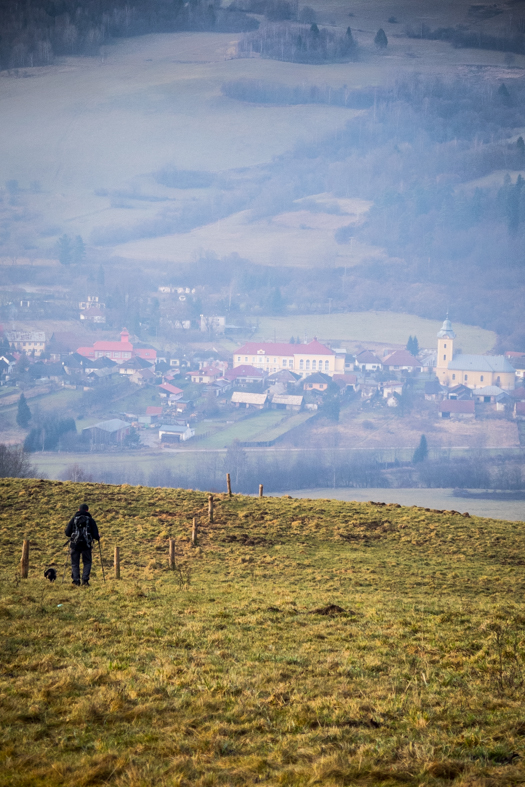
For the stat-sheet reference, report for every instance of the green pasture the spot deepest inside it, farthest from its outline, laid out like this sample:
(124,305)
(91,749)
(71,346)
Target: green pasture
(253,428)
(381,327)
(299,642)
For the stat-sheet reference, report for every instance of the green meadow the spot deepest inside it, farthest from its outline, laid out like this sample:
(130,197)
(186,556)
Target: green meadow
(300,642)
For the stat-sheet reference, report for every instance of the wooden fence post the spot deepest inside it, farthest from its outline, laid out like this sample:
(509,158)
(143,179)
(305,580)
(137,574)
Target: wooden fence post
(116,562)
(172,553)
(261,490)
(194,533)
(229,484)
(210,509)
(24,563)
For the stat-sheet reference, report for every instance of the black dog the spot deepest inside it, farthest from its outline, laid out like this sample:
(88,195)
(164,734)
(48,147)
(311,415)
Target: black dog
(50,574)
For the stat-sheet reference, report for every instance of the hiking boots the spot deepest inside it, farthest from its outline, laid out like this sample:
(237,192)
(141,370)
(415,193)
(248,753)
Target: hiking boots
(76,583)
(85,582)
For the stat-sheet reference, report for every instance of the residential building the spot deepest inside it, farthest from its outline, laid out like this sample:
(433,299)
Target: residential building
(134,364)
(402,361)
(119,351)
(301,358)
(490,394)
(392,387)
(245,375)
(316,382)
(476,371)
(171,393)
(346,381)
(368,361)
(29,342)
(459,392)
(207,375)
(519,366)
(287,402)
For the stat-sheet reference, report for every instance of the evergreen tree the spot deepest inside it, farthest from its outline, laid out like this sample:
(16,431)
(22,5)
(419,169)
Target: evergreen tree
(520,144)
(65,250)
(314,30)
(23,414)
(380,40)
(78,251)
(421,452)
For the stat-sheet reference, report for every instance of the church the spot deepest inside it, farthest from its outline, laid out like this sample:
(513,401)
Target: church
(474,371)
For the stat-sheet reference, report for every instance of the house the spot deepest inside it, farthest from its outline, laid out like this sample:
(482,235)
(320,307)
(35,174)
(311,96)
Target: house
(92,366)
(94,314)
(402,361)
(346,381)
(119,351)
(132,365)
(107,432)
(29,342)
(219,387)
(143,377)
(368,361)
(433,390)
(316,382)
(151,416)
(282,377)
(519,367)
(459,392)
(245,375)
(490,394)
(207,375)
(287,402)
(428,360)
(9,362)
(456,408)
(179,362)
(170,392)
(476,371)
(175,433)
(181,405)
(256,400)
(302,358)
(392,387)
(519,410)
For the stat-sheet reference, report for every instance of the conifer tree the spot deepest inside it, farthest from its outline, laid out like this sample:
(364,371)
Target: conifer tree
(23,414)
(421,452)
(380,40)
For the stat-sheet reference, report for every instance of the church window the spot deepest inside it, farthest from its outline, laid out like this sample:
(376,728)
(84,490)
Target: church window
(453,376)
(466,377)
(444,357)
(445,346)
(481,379)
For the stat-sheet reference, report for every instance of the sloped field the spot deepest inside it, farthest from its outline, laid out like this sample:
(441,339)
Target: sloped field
(301,642)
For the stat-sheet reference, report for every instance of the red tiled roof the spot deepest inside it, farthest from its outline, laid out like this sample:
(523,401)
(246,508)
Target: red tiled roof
(513,354)
(457,406)
(170,388)
(281,348)
(153,410)
(401,358)
(349,379)
(244,370)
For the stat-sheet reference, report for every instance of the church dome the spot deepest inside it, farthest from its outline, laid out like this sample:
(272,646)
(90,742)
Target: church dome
(446,331)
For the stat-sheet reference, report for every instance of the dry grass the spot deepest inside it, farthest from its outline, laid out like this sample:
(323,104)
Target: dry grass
(238,678)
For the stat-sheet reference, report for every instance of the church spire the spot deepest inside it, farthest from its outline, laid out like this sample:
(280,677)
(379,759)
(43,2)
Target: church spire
(446,331)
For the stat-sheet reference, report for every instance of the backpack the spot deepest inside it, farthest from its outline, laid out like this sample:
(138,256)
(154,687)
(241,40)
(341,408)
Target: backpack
(81,531)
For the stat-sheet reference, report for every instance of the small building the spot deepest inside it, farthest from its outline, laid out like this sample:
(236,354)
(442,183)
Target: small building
(282,377)
(182,405)
(287,402)
(346,381)
(316,382)
(132,365)
(519,367)
(402,361)
(170,392)
(143,377)
(368,361)
(433,390)
(255,400)
(206,375)
(455,408)
(212,324)
(369,389)
(219,387)
(392,387)
(151,416)
(29,342)
(428,360)
(490,394)
(175,433)
(459,392)
(106,432)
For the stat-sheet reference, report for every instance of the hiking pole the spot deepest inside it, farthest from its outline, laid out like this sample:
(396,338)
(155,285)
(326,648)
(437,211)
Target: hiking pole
(101,563)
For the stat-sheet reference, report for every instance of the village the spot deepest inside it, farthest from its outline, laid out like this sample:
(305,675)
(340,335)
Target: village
(126,394)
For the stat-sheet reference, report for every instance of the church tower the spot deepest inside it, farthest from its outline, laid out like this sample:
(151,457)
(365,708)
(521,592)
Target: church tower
(445,351)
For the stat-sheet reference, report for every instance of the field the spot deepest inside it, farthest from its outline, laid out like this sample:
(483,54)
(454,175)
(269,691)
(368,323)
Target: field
(301,642)
(262,427)
(386,328)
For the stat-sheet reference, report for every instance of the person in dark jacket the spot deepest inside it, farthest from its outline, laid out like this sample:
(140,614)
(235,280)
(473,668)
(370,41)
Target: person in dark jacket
(82,530)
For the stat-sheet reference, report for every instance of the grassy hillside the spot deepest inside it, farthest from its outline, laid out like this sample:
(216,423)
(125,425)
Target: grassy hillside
(235,669)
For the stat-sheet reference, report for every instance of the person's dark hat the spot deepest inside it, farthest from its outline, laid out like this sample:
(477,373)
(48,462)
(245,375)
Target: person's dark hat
(84,507)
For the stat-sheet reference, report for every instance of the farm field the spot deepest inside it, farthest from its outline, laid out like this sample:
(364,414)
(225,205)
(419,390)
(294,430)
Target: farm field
(263,426)
(386,328)
(300,641)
